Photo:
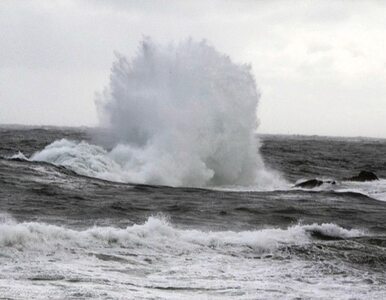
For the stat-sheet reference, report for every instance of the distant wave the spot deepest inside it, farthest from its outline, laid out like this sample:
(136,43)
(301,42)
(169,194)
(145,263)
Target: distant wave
(84,159)
(353,194)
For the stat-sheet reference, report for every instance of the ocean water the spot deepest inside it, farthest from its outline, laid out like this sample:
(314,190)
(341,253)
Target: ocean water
(177,198)
(73,226)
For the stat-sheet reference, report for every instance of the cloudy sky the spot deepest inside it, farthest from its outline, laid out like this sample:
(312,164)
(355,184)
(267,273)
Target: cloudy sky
(320,65)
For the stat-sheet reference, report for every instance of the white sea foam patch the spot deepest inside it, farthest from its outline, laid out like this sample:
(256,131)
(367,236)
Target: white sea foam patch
(159,235)
(158,260)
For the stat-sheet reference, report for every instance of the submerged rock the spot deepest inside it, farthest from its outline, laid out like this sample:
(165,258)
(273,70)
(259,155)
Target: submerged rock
(364,176)
(313,183)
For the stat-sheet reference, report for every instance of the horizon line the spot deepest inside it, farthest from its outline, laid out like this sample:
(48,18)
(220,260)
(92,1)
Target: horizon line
(2,125)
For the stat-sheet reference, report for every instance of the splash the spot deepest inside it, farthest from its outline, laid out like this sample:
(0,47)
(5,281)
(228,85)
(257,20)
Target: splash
(183,115)
(178,115)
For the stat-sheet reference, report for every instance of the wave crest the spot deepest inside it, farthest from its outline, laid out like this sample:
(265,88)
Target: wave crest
(158,233)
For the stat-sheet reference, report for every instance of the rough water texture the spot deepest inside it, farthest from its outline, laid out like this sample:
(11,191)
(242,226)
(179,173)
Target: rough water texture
(68,236)
(173,200)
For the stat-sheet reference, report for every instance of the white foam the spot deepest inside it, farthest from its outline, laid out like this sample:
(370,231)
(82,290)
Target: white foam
(183,115)
(158,260)
(83,158)
(19,155)
(157,233)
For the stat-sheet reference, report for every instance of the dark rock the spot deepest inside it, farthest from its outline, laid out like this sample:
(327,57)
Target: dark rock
(321,236)
(363,176)
(313,183)
(309,184)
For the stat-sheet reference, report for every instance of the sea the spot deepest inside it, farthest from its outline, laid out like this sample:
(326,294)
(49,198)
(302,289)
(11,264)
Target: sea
(69,229)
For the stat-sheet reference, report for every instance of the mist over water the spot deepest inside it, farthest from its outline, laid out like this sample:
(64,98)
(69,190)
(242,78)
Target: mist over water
(183,115)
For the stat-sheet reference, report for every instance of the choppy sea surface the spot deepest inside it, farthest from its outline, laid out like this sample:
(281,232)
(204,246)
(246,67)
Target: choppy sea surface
(66,234)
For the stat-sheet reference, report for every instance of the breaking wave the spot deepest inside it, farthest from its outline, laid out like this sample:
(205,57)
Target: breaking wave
(158,233)
(179,115)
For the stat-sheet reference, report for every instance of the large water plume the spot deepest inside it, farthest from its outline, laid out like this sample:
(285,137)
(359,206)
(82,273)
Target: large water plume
(184,115)
(181,115)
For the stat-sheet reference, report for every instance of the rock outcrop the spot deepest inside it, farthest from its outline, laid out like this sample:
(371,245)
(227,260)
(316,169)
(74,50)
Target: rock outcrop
(363,176)
(313,183)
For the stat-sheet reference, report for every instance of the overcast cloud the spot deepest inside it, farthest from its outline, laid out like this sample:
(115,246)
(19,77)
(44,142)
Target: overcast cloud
(320,65)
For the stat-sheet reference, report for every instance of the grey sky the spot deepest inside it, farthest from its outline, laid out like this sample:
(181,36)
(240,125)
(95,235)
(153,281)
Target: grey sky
(320,65)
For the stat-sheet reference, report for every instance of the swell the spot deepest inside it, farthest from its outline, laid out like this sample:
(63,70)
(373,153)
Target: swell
(68,171)
(65,170)
(341,194)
